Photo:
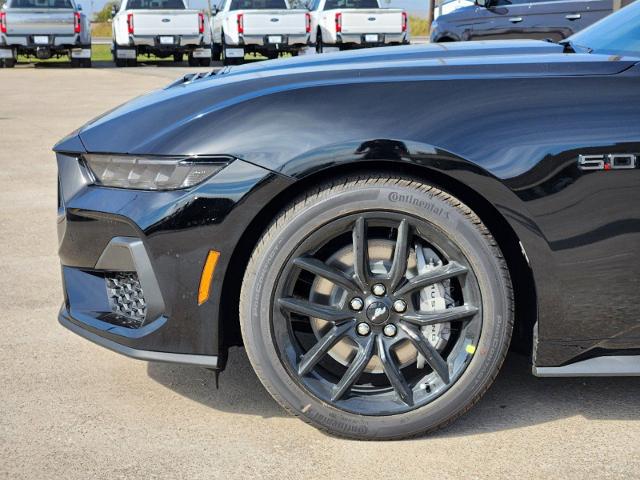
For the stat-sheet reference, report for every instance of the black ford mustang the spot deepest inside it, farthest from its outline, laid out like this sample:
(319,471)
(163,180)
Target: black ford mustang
(375,227)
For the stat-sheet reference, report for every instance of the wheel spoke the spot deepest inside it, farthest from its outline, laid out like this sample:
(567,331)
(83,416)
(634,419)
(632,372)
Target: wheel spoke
(323,312)
(399,266)
(315,353)
(395,376)
(355,369)
(440,316)
(323,270)
(434,359)
(361,253)
(438,274)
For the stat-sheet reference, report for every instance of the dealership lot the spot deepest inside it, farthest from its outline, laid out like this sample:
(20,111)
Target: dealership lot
(70,409)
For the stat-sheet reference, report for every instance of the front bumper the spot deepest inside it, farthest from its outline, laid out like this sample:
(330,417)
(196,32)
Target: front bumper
(157,242)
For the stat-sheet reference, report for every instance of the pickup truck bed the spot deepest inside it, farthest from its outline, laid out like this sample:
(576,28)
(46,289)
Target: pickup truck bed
(346,24)
(246,27)
(162,28)
(44,32)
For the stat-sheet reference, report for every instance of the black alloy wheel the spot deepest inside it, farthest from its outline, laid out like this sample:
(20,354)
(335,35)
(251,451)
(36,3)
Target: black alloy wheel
(373,317)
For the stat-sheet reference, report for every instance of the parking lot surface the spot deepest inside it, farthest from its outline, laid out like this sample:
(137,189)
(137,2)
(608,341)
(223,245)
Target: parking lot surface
(70,409)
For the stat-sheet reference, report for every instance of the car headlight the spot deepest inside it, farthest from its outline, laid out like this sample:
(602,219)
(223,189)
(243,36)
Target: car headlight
(151,173)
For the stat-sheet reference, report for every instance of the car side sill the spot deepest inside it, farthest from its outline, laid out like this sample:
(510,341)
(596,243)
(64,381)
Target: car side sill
(610,366)
(209,361)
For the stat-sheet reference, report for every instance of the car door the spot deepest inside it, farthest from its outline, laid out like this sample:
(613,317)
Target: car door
(585,12)
(559,19)
(503,19)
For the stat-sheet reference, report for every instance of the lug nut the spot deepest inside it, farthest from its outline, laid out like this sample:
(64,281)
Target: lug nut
(363,329)
(378,289)
(400,306)
(356,304)
(390,330)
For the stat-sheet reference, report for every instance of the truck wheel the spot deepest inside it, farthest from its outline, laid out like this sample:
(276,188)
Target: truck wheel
(373,318)
(272,55)
(9,62)
(223,48)
(229,61)
(178,57)
(86,63)
(216,52)
(319,44)
(193,61)
(75,63)
(204,62)
(120,62)
(132,62)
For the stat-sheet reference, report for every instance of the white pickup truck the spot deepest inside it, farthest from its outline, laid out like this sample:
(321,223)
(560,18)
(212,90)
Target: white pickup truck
(163,28)
(268,27)
(346,24)
(44,29)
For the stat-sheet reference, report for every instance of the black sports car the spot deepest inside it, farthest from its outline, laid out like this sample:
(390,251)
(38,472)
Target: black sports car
(375,227)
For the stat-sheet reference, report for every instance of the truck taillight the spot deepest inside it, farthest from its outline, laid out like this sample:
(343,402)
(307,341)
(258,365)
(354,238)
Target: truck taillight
(338,22)
(307,17)
(240,23)
(77,24)
(404,21)
(201,22)
(3,22)
(130,23)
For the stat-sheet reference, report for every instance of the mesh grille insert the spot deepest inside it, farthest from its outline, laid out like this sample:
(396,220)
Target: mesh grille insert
(126,299)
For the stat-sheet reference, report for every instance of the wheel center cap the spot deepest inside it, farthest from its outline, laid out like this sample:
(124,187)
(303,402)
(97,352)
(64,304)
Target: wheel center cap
(378,313)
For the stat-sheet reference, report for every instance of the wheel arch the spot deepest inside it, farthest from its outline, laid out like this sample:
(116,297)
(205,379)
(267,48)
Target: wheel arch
(525,298)
(445,38)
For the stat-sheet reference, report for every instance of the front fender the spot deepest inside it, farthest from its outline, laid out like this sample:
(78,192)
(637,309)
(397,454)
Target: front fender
(398,155)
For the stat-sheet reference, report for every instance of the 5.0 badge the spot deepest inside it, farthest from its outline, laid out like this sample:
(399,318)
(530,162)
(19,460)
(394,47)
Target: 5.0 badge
(611,161)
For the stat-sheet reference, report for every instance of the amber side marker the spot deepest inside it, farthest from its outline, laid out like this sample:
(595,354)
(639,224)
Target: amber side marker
(207,276)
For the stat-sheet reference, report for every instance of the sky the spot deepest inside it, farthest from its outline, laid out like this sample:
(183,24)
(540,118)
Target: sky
(414,7)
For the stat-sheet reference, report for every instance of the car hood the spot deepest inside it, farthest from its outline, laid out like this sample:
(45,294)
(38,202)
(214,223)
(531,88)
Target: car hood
(163,122)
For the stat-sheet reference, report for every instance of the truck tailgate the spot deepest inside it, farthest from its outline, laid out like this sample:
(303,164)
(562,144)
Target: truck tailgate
(29,21)
(165,22)
(371,21)
(263,22)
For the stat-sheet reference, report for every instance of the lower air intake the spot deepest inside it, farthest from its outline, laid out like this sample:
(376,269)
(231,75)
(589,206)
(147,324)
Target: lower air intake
(126,299)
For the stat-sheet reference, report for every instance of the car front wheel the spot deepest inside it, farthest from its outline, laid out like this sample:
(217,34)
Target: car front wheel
(377,308)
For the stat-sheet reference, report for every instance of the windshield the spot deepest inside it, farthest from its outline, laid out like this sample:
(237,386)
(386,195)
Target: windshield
(40,4)
(155,5)
(617,34)
(258,5)
(336,4)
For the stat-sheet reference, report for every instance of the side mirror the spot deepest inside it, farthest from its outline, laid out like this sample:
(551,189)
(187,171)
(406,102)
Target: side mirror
(79,7)
(484,3)
(114,10)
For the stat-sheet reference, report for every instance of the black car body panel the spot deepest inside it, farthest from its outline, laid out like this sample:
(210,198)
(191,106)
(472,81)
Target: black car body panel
(517,19)
(467,120)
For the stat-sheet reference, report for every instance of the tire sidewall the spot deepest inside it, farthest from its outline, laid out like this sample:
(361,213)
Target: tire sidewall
(431,205)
